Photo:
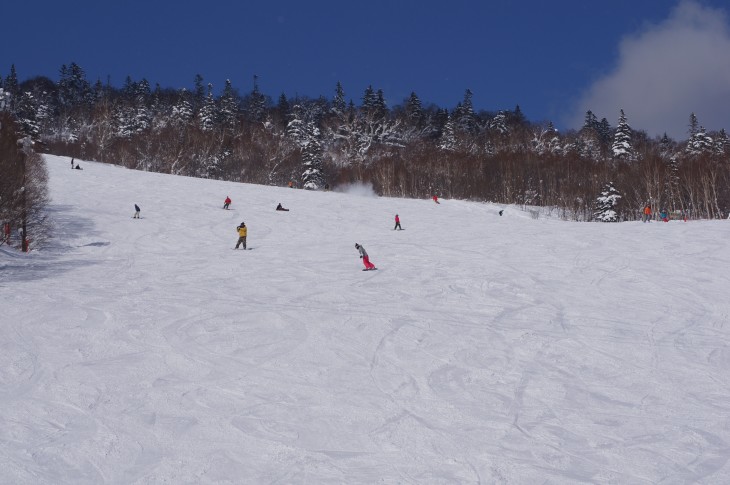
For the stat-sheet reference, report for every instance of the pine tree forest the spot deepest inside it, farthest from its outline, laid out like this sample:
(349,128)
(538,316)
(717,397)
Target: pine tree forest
(409,150)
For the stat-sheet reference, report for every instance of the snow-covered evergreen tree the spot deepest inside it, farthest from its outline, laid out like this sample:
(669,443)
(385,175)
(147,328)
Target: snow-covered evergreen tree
(255,103)
(590,122)
(306,135)
(463,116)
(622,148)
(132,114)
(10,86)
(4,100)
(282,111)
(198,98)
(339,105)
(700,143)
(414,110)
(312,175)
(603,129)
(207,113)
(182,111)
(98,91)
(26,110)
(296,129)
(722,143)
(381,108)
(545,140)
(448,136)
(141,101)
(498,124)
(694,125)
(228,106)
(606,204)
(588,144)
(73,88)
(369,99)
(672,180)
(665,146)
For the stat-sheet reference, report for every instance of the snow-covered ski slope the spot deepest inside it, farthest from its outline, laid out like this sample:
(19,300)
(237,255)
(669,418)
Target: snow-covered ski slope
(486,349)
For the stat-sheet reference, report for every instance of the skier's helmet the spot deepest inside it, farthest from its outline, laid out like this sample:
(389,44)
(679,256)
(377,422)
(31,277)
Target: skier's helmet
(357,246)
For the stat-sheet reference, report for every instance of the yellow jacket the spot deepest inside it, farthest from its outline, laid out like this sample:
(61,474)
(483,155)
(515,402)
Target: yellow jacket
(242,231)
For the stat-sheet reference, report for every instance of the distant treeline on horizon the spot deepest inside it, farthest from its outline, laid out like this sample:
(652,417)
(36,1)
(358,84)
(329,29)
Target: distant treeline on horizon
(406,150)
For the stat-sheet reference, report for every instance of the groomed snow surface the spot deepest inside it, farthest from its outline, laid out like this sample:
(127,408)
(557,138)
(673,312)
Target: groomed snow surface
(485,349)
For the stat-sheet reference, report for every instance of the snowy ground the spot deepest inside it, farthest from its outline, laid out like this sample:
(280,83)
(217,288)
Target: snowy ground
(485,349)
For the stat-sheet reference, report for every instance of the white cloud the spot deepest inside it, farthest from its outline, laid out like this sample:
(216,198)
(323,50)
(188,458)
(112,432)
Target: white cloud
(666,72)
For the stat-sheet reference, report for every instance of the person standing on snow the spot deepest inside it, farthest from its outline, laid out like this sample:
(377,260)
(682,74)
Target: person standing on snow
(136,212)
(227,202)
(647,213)
(365,259)
(436,199)
(242,233)
(397,223)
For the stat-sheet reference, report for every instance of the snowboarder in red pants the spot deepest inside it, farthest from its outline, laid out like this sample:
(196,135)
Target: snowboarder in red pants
(365,259)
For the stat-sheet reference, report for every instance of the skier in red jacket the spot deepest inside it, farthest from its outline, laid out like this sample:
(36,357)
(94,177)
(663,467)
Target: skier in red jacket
(227,202)
(397,223)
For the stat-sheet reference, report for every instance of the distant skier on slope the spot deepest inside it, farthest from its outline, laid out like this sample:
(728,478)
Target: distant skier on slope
(365,259)
(242,233)
(647,213)
(136,212)
(226,202)
(280,208)
(436,199)
(397,223)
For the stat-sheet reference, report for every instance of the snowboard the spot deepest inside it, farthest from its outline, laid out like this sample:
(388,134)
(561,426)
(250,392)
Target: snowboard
(371,269)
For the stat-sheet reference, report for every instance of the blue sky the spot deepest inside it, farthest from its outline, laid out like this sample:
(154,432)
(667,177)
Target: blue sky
(554,59)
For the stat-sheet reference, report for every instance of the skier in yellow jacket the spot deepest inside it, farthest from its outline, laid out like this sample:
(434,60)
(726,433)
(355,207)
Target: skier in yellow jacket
(242,232)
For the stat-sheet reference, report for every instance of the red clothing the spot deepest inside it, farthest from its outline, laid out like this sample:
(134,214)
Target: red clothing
(228,200)
(436,199)
(397,219)
(367,263)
